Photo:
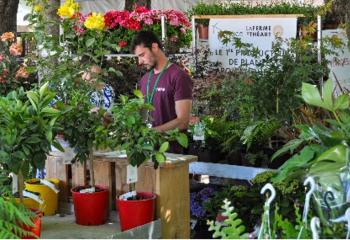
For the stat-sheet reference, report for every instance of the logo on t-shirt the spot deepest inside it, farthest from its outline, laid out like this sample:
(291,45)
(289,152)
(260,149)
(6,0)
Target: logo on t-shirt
(160,89)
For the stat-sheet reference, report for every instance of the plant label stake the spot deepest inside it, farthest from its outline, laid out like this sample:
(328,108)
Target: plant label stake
(14,183)
(265,223)
(308,196)
(131,174)
(315,225)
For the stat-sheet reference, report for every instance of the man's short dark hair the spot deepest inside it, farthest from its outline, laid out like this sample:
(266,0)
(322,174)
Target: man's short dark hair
(145,38)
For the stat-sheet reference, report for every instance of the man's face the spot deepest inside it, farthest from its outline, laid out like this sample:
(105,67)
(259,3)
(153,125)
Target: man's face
(146,56)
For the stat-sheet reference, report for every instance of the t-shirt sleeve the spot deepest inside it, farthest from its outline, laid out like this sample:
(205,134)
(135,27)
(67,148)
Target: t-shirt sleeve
(183,87)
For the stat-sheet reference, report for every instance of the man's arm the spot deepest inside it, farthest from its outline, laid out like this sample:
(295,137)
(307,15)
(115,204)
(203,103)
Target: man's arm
(183,113)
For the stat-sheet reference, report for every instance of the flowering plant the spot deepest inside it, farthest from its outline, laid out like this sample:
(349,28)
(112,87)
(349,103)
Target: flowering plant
(197,200)
(115,29)
(123,25)
(12,74)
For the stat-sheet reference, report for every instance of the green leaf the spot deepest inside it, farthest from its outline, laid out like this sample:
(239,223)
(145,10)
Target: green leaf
(138,94)
(338,154)
(51,111)
(164,147)
(182,140)
(311,95)
(43,89)
(160,157)
(328,94)
(58,146)
(90,42)
(289,146)
(326,168)
(298,162)
(34,99)
(49,135)
(342,102)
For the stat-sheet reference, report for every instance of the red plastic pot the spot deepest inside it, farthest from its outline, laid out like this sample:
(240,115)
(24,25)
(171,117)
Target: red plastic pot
(133,213)
(90,208)
(36,229)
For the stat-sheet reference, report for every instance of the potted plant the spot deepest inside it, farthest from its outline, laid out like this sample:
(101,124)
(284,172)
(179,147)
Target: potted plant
(82,127)
(17,221)
(26,125)
(130,132)
(322,150)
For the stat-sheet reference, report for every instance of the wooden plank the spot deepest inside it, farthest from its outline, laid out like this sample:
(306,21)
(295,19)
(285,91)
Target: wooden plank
(55,168)
(225,170)
(173,197)
(120,177)
(103,177)
(79,174)
(248,16)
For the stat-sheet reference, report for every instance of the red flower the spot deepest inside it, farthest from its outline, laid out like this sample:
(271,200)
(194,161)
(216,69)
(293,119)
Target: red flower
(122,44)
(141,9)
(114,18)
(76,15)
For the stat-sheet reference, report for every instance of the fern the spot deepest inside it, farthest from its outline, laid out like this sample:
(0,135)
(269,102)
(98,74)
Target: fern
(231,228)
(11,214)
(289,230)
(259,132)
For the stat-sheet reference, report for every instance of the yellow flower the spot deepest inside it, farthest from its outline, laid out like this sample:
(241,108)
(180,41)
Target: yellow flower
(38,8)
(95,22)
(68,9)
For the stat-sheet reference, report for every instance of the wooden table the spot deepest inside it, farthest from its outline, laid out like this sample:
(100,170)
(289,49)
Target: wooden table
(170,182)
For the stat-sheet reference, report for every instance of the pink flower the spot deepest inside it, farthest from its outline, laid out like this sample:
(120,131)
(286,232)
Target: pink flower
(79,30)
(22,73)
(122,44)
(16,49)
(148,21)
(182,30)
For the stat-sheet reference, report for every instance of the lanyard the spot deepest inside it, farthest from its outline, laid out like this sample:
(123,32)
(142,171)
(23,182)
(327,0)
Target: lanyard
(149,97)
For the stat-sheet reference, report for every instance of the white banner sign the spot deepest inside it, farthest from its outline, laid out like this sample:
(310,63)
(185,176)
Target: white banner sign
(260,32)
(339,64)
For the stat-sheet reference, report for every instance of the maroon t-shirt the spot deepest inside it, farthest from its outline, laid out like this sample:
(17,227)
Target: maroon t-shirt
(173,85)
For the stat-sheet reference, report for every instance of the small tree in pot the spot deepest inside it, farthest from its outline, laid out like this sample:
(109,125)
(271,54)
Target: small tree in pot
(81,127)
(26,125)
(130,132)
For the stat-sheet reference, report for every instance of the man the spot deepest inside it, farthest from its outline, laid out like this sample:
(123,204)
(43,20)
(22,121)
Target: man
(166,86)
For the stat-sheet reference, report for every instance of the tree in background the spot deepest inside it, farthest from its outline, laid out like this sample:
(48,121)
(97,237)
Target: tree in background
(340,14)
(8,15)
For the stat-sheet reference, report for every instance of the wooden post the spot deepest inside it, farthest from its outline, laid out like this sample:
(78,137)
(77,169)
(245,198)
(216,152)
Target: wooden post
(171,184)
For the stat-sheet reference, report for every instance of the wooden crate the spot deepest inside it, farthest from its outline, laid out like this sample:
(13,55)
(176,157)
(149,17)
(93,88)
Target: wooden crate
(104,176)
(56,168)
(78,174)
(171,184)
